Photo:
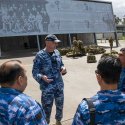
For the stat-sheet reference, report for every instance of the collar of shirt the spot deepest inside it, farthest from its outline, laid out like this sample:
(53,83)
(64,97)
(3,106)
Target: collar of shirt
(9,91)
(123,69)
(109,92)
(54,52)
(122,75)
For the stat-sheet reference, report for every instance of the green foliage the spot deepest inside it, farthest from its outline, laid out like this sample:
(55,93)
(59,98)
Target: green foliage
(117,19)
(64,51)
(94,49)
(70,54)
(112,54)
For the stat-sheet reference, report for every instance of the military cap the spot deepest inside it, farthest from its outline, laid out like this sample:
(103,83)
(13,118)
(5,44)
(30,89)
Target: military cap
(52,38)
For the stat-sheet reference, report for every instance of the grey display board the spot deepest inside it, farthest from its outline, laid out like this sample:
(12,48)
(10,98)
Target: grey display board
(34,17)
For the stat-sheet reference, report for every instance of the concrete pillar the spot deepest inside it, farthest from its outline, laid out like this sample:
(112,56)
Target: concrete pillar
(38,43)
(70,40)
(116,38)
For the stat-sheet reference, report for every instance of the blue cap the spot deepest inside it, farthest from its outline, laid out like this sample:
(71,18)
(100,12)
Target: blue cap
(52,38)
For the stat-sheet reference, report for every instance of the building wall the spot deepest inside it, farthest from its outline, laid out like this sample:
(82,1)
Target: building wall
(71,17)
(33,17)
(13,43)
(30,42)
(87,38)
(105,36)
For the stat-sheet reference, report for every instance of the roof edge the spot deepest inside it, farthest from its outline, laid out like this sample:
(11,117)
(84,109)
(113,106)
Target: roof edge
(109,2)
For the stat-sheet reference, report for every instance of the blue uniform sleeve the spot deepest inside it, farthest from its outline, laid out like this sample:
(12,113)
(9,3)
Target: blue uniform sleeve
(122,80)
(33,115)
(36,71)
(122,85)
(82,116)
(62,64)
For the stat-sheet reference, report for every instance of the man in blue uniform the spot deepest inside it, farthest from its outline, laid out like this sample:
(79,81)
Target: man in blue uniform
(17,108)
(109,102)
(122,76)
(47,70)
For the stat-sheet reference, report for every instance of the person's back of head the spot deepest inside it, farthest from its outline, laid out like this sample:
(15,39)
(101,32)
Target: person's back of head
(109,68)
(12,75)
(107,106)
(16,107)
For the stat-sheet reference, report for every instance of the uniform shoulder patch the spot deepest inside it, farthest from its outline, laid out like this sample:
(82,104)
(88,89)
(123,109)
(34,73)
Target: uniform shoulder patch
(39,116)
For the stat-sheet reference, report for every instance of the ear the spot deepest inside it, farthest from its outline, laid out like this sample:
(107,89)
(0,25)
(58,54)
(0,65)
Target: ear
(99,78)
(20,80)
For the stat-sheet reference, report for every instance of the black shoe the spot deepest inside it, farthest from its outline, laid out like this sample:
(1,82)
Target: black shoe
(58,122)
(47,120)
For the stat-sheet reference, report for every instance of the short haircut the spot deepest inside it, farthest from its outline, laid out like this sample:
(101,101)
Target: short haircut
(109,68)
(9,73)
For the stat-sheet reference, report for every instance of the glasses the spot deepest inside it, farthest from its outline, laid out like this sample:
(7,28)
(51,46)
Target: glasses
(121,54)
(123,49)
(96,72)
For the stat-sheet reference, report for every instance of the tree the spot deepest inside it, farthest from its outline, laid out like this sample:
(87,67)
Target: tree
(117,19)
(123,21)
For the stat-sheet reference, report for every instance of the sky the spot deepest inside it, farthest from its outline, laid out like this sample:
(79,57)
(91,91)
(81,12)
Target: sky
(118,7)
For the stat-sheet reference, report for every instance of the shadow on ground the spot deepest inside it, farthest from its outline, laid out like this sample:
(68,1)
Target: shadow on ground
(18,53)
(66,122)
